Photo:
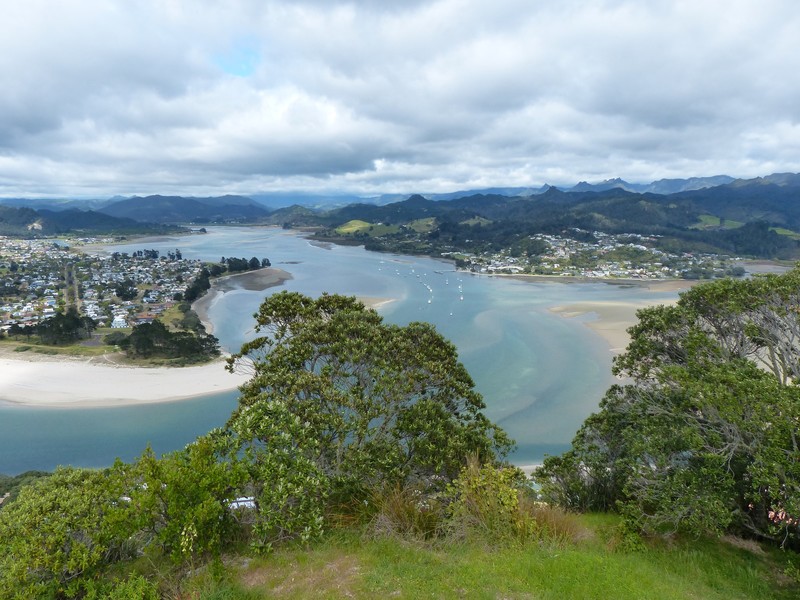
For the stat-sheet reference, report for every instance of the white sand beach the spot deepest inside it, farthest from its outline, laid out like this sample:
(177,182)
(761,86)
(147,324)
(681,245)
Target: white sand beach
(81,383)
(43,380)
(64,381)
(39,380)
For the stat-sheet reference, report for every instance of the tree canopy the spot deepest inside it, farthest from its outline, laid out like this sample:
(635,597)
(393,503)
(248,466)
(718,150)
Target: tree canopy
(150,340)
(376,402)
(704,438)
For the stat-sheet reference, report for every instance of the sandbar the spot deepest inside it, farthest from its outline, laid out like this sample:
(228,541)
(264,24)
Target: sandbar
(612,319)
(374,303)
(254,281)
(66,382)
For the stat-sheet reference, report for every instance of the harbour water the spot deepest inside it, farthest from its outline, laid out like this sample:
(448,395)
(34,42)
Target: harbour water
(540,374)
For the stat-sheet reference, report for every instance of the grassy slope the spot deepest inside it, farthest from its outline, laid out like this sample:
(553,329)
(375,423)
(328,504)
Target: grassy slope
(346,565)
(371,229)
(713,222)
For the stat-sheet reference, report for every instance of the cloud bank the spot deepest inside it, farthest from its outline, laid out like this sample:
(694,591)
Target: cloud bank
(201,97)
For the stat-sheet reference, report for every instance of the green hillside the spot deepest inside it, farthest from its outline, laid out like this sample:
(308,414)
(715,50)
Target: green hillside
(358,463)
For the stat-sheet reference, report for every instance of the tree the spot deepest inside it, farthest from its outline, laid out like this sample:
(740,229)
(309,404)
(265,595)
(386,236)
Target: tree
(705,436)
(149,340)
(57,536)
(126,290)
(198,287)
(65,327)
(179,503)
(366,403)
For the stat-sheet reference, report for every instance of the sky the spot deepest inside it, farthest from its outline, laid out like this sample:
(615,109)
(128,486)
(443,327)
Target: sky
(194,97)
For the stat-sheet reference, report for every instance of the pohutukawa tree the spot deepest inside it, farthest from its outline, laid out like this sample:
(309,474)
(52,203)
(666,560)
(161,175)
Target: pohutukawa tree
(706,436)
(346,402)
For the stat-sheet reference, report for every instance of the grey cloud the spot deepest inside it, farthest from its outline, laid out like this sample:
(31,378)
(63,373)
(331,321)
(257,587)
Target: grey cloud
(373,95)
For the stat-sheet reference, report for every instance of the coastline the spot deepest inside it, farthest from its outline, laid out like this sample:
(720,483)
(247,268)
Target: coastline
(254,281)
(65,381)
(611,320)
(80,383)
(45,381)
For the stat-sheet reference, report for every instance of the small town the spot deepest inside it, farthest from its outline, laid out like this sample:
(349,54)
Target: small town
(622,256)
(41,276)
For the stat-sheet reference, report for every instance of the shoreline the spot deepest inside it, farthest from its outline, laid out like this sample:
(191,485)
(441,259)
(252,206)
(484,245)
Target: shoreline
(79,383)
(611,319)
(47,381)
(254,281)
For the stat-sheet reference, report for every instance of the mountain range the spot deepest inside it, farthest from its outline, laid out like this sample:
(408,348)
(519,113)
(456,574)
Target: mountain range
(704,212)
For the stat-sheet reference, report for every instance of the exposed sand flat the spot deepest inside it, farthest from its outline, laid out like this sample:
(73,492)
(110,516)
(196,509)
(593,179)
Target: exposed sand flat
(39,380)
(374,303)
(612,318)
(80,383)
(254,281)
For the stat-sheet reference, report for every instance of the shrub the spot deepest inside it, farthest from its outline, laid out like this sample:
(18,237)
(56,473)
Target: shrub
(405,512)
(56,536)
(485,505)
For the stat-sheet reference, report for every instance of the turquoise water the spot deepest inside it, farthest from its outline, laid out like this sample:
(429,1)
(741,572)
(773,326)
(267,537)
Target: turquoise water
(540,374)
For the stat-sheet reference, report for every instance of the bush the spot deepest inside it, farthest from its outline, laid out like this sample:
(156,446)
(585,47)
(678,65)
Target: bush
(115,338)
(485,505)
(56,537)
(134,588)
(405,512)
(495,505)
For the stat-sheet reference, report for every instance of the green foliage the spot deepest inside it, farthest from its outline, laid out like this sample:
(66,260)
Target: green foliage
(65,327)
(405,512)
(278,449)
(704,439)
(191,322)
(12,485)
(115,338)
(179,503)
(199,286)
(486,504)
(135,587)
(126,290)
(383,403)
(341,404)
(151,340)
(57,535)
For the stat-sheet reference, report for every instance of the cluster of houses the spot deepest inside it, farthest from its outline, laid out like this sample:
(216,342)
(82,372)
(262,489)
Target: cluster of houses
(31,280)
(644,262)
(32,285)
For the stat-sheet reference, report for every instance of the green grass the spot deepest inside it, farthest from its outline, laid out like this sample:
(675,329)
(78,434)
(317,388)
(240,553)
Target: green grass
(353,226)
(371,229)
(347,564)
(476,221)
(423,225)
(23,345)
(787,232)
(712,222)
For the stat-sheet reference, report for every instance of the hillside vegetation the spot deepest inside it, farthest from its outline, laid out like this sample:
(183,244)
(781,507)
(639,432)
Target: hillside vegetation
(359,464)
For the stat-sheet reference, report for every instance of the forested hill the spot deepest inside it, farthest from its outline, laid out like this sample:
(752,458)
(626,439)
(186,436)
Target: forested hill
(756,218)
(29,222)
(179,209)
